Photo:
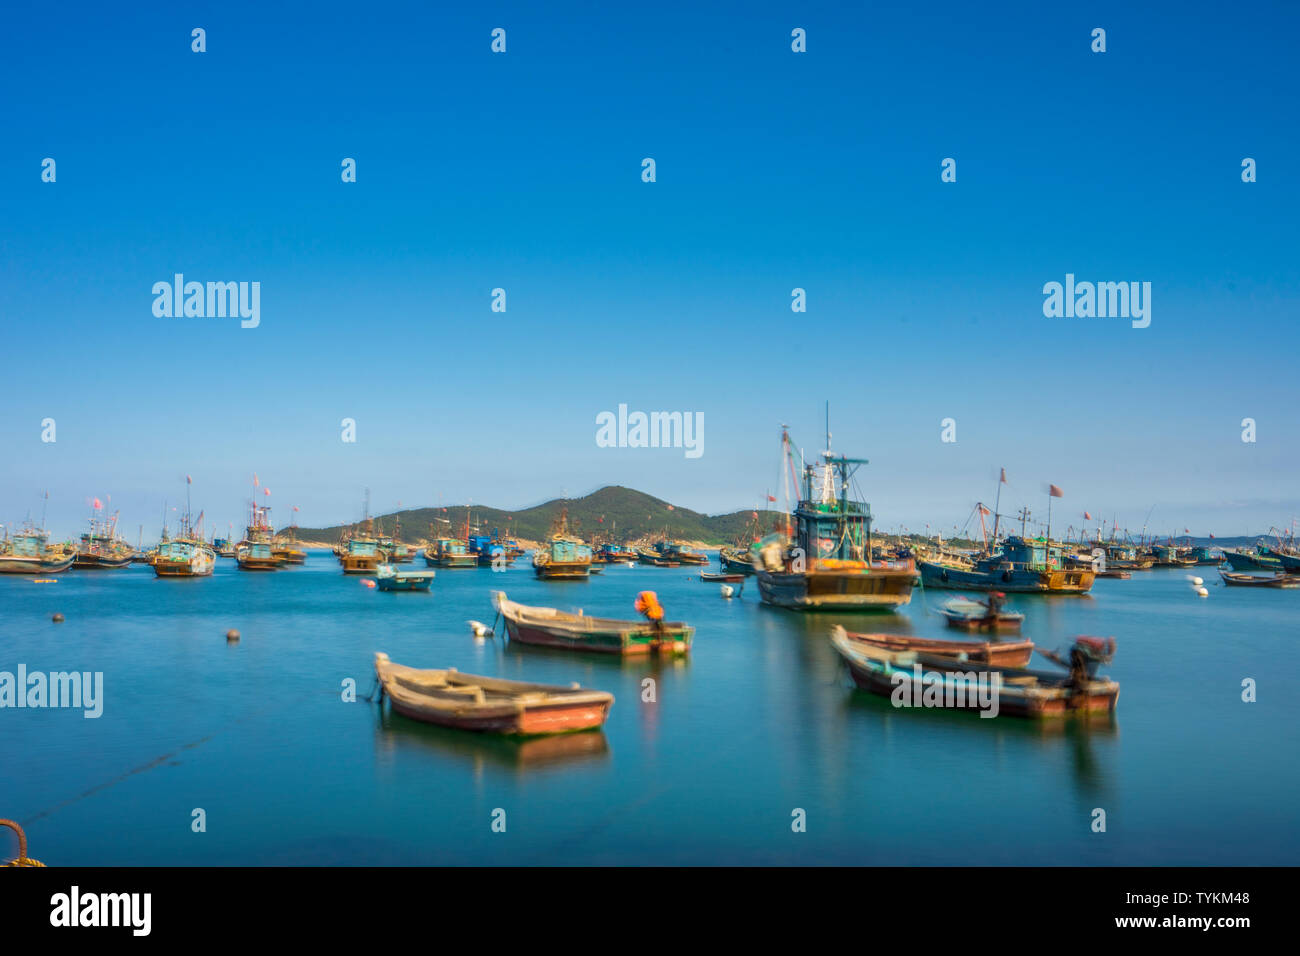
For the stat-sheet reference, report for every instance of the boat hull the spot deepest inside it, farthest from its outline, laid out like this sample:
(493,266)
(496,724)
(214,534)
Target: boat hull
(91,561)
(877,589)
(1018,580)
(13,564)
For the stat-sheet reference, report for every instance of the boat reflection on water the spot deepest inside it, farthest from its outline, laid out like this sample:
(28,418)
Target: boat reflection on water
(396,734)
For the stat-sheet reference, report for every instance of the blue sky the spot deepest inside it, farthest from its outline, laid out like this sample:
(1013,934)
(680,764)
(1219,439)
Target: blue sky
(775,170)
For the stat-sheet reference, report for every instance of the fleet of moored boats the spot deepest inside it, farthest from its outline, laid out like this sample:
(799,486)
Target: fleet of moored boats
(824,558)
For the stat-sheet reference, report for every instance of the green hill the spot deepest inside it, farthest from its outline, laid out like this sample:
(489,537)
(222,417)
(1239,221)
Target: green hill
(623,513)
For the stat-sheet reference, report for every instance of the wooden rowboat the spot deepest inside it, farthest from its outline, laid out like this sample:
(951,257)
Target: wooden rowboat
(910,676)
(1259,581)
(490,704)
(1001,654)
(547,627)
(720,576)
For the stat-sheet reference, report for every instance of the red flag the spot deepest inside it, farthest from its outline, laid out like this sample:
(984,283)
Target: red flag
(96,505)
(771,497)
(671,508)
(1003,478)
(985,511)
(755,514)
(295,507)
(267,490)
(255,481)
(1086,516)
(1187,531)
(189,480)
(1211,535)
(1055,492)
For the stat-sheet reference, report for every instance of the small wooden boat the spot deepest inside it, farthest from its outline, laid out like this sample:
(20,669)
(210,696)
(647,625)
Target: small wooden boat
(547,627)
(720,576)
(1115,573)
(388,578)
(490,704)
(981,616)
(1259,580)
(944,682)
(1001,654)
(361,556)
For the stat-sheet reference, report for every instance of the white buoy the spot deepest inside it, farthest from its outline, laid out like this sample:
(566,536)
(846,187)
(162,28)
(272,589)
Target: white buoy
(1196,582)
(1202,592)
(728,591)
(479,629)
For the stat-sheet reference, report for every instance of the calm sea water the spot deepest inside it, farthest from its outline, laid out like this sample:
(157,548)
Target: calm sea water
(760,721)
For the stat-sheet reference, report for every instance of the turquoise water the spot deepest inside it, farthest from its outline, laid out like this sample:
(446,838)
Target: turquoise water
(760,721)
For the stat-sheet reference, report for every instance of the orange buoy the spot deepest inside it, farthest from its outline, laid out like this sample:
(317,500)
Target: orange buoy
(367,582)
(232,636)
(57,619)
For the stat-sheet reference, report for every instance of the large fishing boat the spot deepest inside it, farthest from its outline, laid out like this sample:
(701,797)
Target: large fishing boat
(256,552)
(563,556)
(1023,566)
(101,547)
(361,555)
(822,563)
(187,555)
(1256,559)
(30,552)
(449,553)
(184,557)
(736,560)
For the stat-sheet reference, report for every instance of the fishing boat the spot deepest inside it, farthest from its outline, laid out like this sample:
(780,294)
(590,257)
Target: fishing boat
(361,555)
(616,554)
(937,681)
(490,704)
(999,653)
(185,556)
(1241,559)
(1171,556)
(562,557)
(736,560)
(677,553)
(820,564)
(1124,557)
(653,558)
(1204,556)
(1260,581)
(1019,566)
(548,627)
(30,552)
(449,553)
(969,615)
(256,551)
(389,578)
(488,551)
(101,547)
